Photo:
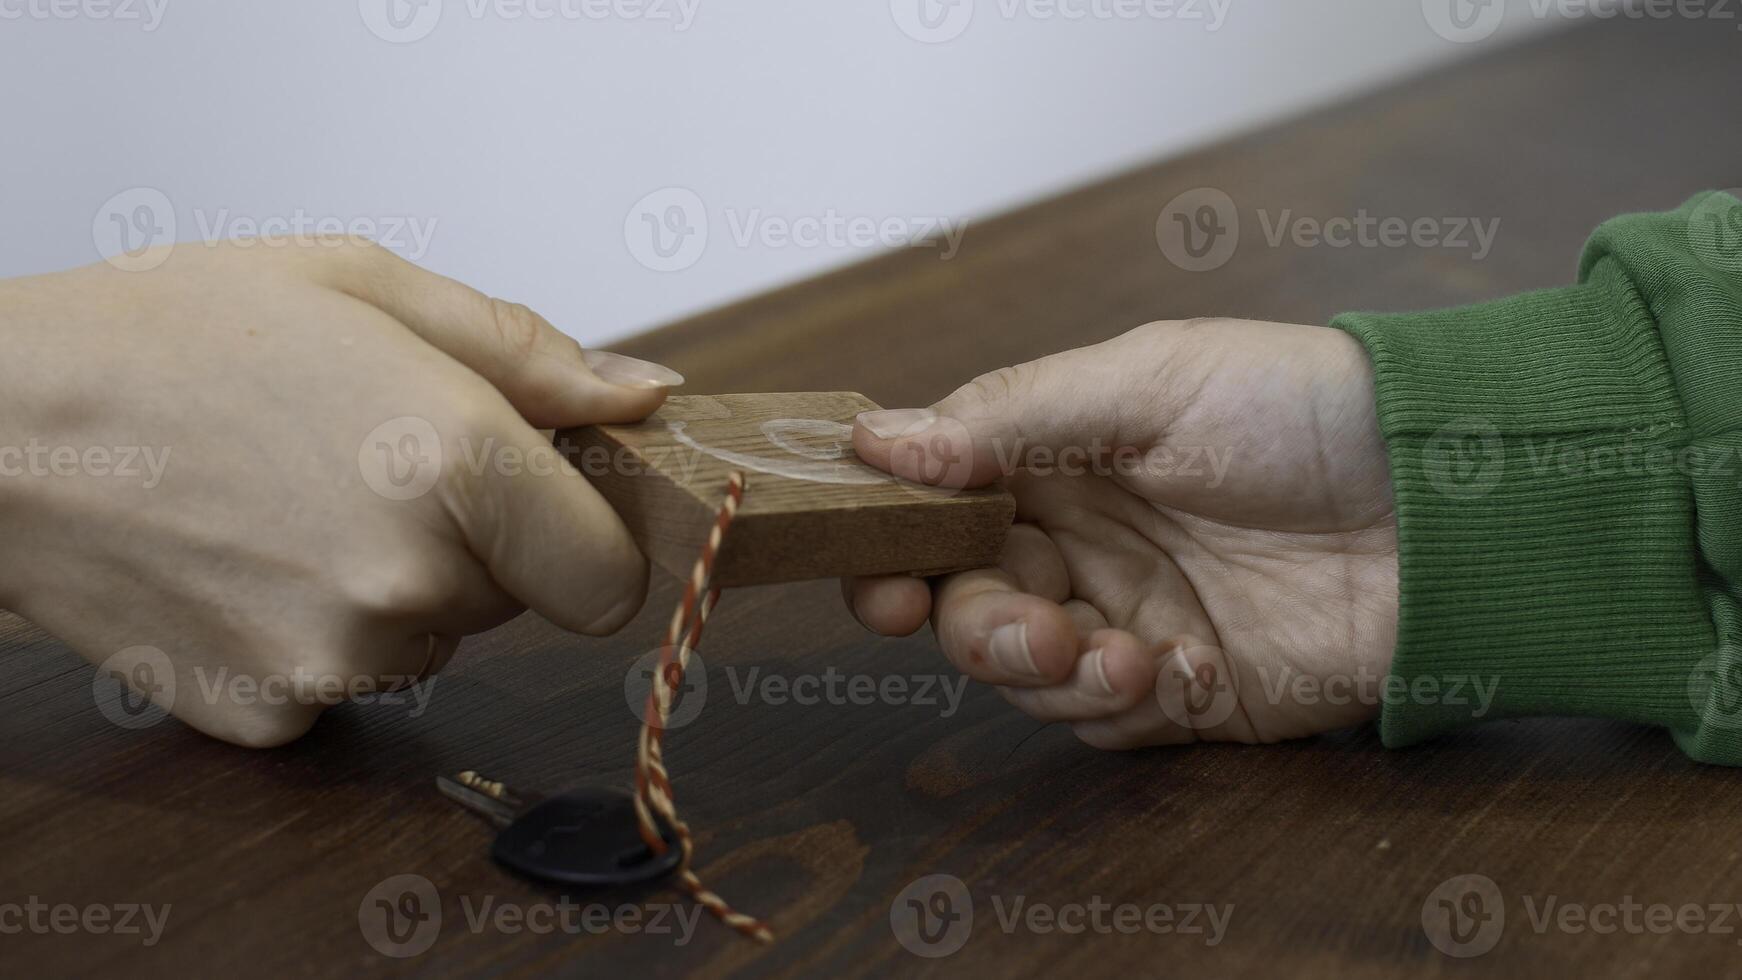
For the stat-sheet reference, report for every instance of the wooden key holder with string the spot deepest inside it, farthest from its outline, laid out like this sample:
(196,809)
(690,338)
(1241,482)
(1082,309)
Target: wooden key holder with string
(729,490)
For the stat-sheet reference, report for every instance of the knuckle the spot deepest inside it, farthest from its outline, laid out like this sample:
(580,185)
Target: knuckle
(519,330)
(391,588)
(1005,384)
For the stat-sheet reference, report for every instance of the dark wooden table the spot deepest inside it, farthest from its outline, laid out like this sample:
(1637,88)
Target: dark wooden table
(820,815)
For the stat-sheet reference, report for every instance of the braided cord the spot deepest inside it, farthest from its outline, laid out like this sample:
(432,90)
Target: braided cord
(652,783)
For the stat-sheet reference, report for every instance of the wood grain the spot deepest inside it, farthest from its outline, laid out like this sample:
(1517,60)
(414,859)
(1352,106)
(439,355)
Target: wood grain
(820,814)
(811,509)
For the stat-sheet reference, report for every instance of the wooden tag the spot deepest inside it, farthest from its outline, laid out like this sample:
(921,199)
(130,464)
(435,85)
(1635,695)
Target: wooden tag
(811,509)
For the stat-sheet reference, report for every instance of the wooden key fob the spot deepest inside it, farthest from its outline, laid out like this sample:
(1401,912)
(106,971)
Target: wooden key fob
(811,508)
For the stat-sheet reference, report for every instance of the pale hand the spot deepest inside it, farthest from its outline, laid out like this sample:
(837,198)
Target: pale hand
(1205,544)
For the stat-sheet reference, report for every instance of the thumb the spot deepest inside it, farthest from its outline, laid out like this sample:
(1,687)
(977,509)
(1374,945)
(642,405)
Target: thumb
(1001,422)
(544,373)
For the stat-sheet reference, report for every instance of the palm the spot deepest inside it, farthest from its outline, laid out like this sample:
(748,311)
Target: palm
(1259,533)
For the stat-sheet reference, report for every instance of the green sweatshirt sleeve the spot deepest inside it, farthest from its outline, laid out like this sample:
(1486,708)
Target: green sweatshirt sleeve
(1567,468)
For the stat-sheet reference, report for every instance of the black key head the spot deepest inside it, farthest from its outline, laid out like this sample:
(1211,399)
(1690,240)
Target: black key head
(589,837)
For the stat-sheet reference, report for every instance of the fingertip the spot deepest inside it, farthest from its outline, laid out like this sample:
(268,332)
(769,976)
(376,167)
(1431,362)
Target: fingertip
(921,446)
(631,372)
(1052,638)
(1125,668)
(889,605)
(595,388)
(1011,638)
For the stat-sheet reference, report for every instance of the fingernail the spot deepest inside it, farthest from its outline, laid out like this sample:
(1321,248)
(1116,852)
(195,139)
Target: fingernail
(1096,660)
(630,372)
(1009,647)
(893,423)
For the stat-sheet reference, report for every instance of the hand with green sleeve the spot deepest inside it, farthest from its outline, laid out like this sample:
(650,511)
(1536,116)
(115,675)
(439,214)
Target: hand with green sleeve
(1528,507)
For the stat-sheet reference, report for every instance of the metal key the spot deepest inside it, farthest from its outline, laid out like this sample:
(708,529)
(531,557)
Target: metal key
(585,837)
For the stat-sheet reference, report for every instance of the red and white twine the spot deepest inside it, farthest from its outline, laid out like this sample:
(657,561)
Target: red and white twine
(652,782)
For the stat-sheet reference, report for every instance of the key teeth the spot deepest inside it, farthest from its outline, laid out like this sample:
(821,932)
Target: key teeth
(471,779)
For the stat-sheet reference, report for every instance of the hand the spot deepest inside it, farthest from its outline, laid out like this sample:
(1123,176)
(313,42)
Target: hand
(313,466)
(1205,545)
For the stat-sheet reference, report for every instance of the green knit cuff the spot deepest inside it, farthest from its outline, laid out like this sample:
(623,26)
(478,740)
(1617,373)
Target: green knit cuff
(1546,477)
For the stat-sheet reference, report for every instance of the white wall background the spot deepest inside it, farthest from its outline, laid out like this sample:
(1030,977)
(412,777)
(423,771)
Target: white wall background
(514,143)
